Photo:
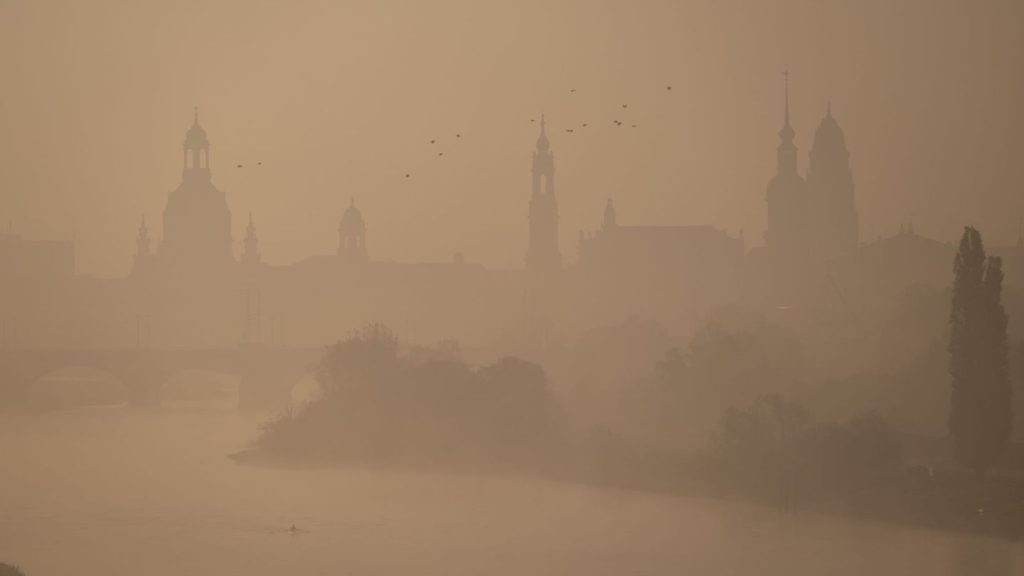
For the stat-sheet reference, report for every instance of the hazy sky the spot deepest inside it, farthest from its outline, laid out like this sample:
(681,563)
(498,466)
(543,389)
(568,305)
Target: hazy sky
(340,99)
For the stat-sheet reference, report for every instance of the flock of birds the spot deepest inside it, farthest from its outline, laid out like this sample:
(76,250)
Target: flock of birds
(571,130)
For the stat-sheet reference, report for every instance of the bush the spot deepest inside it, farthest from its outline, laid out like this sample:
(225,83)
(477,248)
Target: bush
(773,445)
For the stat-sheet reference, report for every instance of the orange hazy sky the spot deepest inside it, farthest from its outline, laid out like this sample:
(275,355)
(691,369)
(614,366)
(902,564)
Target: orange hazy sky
(340,99)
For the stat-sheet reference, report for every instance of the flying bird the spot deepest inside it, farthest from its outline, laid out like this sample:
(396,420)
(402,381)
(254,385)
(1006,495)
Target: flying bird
(432,141)
(625,106)
(440,153)
(407,174)
(573,91)
(239,166)
(259,163)
(669,88)
(458,135)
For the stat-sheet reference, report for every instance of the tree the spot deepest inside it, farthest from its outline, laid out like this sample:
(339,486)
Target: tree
(979,417)
(361,360)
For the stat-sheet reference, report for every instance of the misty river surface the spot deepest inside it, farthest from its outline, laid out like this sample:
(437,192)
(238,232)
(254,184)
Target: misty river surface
(120,491)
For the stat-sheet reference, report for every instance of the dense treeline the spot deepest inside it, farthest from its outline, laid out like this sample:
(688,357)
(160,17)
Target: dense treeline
(427,408)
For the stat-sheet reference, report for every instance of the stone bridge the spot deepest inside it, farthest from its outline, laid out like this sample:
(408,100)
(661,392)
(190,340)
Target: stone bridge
(265,374)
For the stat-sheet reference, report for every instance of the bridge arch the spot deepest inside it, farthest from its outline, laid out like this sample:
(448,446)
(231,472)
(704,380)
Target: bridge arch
(200,388)
(266,375)
(74,386)
(304,390)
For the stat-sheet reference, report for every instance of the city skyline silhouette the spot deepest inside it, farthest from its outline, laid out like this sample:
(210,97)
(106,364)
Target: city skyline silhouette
(541,287)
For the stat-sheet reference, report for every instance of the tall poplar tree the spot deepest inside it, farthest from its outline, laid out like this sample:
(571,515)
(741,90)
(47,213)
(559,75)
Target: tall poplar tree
(979,417)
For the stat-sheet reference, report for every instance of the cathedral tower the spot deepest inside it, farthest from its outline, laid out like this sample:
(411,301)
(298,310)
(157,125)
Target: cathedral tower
(830,185)
(543,256)
(787,198)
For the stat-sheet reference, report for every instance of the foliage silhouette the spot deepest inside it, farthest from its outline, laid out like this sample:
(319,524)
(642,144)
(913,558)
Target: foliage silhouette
(980,412)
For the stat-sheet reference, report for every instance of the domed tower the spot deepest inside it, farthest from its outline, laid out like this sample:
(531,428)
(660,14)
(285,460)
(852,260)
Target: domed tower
(197,221)
(787,198)
(830,184)
(352,235)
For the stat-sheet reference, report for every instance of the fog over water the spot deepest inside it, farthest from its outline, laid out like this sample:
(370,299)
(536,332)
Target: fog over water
(110,491)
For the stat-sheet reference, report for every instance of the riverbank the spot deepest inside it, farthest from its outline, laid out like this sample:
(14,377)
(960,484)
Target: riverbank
(941,497)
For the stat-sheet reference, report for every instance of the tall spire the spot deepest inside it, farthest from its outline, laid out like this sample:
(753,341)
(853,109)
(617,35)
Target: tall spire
(786,76)
(787,133)
(786,149)
(195,115)
(542,140)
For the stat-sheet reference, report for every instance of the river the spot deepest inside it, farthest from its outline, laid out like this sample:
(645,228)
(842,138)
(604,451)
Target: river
(112,490)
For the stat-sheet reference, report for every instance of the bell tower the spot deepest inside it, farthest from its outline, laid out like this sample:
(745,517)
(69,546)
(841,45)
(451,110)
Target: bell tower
(543,255)
(196,151)
(787,198)
(352,235)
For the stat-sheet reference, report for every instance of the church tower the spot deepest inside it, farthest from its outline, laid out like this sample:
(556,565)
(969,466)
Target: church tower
(787,198)
(352,236)
(830,185)
(543,256)
(197,221)
(251,247)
